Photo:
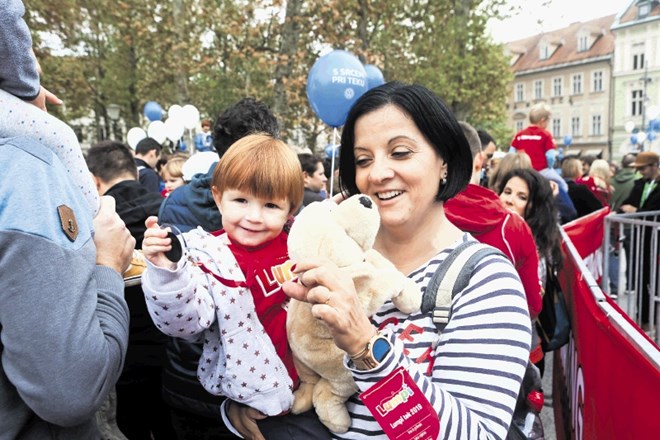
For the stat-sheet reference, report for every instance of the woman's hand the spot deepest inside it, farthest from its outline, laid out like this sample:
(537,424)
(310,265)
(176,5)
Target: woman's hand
(156,243)
(335,302)
(244,419)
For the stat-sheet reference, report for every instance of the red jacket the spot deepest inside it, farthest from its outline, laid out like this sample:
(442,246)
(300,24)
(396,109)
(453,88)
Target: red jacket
(478,210)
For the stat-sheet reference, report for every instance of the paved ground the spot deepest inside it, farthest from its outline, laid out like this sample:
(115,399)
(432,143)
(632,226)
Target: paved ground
(547,414)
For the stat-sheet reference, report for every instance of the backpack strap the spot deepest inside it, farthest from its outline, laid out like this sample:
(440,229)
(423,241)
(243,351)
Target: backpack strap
(451,277)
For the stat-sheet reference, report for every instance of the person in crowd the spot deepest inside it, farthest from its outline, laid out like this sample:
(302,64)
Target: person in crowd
(257,185)
(509,162)
(535,139)
(193,410)
(147,153)
(598,181)
(645,197)
(61,353)
(402,146)
(141,412)
(623,181)
(488,148)
(20,86)
(480,212)
(204,140)
(583,199)
(527,193)
(586,161)
(172,173)
(314,178)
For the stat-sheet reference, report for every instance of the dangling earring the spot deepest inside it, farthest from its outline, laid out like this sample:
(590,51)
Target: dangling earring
(444,179)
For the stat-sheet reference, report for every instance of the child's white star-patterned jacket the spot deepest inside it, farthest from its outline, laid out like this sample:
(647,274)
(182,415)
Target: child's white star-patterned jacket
(238,358)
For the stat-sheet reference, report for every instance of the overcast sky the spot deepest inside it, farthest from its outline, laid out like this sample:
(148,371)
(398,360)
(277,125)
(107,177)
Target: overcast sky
(536,18)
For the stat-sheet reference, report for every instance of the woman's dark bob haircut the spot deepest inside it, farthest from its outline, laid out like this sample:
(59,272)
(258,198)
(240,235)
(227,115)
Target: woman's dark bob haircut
(432,118)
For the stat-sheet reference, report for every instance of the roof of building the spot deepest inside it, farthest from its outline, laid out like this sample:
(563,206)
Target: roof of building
(632,13)
(563,45)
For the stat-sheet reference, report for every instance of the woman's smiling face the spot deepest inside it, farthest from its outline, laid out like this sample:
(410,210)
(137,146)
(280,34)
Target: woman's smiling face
(396,166)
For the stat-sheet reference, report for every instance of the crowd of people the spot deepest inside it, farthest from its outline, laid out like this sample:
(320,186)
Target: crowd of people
(185,353)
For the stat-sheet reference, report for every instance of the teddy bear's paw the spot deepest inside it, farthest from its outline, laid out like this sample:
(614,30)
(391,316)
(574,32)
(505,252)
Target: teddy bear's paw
(302,398)
(334,416)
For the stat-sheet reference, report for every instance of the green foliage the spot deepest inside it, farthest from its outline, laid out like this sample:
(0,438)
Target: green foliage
(211,53)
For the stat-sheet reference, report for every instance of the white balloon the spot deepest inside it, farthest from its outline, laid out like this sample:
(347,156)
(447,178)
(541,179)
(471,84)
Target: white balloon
(156,131)
(198,163)
(641,137)
(190,116)
(175,111)
(173,129)
(135,135)
(630,126)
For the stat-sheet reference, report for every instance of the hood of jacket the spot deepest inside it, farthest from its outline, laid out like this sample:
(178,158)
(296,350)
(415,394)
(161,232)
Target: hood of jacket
(624,175)
(200,201)
(466,210)
(134,203)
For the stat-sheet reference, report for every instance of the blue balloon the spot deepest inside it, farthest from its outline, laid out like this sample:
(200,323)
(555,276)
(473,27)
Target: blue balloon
(329,149)
(153,111)
(374,76)
(568,140)
(651,136)
(655,125)
(633,139)
(335,82)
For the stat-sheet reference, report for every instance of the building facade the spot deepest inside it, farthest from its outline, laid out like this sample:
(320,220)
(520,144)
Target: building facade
(636,77)
(570,69)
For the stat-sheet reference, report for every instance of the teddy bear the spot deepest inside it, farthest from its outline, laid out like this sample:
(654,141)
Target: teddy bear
(343,233)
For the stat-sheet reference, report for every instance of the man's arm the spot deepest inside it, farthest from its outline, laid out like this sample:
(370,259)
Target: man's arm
(18,66)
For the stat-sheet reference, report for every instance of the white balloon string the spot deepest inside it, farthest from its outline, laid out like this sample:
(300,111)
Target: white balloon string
(332,161)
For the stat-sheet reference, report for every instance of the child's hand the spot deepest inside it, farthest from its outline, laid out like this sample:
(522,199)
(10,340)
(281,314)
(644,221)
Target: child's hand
(156,243)
(46,97)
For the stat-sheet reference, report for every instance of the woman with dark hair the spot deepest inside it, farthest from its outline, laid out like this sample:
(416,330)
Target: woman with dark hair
(403,147)
(526,192)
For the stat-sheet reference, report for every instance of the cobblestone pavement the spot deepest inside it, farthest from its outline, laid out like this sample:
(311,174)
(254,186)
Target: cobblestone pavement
(547,413)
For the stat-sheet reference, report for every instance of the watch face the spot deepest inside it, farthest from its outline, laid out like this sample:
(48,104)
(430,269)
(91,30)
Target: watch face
(380,349)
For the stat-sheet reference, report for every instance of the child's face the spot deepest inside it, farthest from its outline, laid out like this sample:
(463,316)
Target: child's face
(250,220)
(172,183)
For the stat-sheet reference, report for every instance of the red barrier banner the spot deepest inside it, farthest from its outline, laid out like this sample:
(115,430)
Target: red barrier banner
(605,385)
(587,235)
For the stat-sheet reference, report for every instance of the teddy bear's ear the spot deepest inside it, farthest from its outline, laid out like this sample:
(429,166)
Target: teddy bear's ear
(359,217)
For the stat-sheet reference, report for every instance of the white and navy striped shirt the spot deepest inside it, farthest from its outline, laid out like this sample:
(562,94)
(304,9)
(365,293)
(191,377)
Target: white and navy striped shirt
(473,375)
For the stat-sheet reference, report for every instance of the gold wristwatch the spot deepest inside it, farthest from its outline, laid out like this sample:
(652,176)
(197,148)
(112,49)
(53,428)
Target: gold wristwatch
(373,353)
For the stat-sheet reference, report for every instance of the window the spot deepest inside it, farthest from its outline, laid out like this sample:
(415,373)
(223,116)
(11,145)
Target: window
(519,125)
(556,128)
(575,126)
(643,10)
(577,84)
(538,89)
(596,125)
(520,92)
(638,61)
(556,87)
(544,51)
(637,100)
(583,43)
(597,83)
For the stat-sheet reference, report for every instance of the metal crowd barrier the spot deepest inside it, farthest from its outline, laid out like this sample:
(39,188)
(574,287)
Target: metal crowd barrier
(631,259)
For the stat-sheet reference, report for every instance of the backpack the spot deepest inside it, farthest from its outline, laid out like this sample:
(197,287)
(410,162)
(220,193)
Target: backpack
(450,278)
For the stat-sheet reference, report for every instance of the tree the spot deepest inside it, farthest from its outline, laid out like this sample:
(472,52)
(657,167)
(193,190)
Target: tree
(211,53)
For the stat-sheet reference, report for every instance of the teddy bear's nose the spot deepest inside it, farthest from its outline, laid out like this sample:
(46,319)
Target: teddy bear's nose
(366,202)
